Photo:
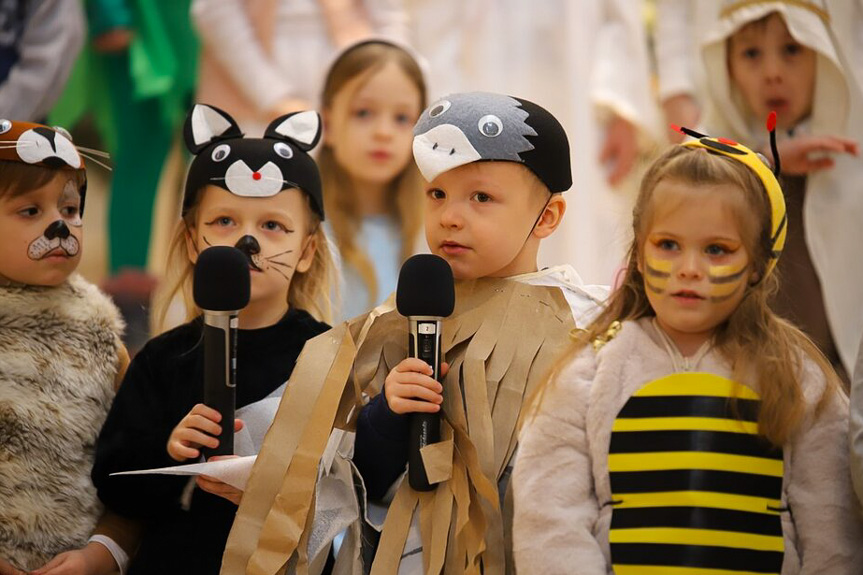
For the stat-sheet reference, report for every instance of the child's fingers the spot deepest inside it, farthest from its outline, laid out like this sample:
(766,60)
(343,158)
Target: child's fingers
(403,405)
(444,368)
(820,164)
(207,412)
(181,451)
(413,364)
(202,423)
(412,378)
(417,392)
(238,424)
(191,436)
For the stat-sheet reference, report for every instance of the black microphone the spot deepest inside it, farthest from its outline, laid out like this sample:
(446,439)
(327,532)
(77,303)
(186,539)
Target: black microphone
(425,295)
(221,288)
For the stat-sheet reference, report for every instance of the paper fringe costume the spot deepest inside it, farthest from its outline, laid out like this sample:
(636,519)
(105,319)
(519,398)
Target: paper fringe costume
(500,342)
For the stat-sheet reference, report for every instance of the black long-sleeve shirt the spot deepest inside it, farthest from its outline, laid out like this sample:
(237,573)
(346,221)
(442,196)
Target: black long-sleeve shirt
(381,446)
(164,382)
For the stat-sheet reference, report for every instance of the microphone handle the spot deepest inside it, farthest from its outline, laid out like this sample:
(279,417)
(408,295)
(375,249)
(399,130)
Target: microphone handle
(220,374)
(425,344)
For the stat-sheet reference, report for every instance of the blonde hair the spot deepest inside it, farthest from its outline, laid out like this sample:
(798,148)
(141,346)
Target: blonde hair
(308,291)
(754,339)
(405,192)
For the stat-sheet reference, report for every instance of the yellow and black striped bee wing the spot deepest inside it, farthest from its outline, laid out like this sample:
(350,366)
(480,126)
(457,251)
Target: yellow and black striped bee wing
(695,489)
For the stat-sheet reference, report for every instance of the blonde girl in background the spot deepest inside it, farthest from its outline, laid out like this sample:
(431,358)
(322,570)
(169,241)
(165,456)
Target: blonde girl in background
(373,94)
(262,196)
(691,429)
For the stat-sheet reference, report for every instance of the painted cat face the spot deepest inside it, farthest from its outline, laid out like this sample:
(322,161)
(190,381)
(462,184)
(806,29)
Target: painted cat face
(41,233)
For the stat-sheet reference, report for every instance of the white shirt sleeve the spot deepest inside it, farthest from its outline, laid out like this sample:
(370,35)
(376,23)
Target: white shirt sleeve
(120,556)
(229,35)
(675,47)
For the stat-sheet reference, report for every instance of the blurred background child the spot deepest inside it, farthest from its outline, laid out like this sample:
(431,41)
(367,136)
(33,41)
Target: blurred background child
(783,56)
(373,94)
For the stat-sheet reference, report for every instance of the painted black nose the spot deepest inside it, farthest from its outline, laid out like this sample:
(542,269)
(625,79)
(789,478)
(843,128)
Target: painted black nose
(248,245)
(57,229)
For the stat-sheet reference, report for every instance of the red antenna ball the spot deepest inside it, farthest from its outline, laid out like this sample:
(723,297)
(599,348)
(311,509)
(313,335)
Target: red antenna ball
(677,128)
(771,121)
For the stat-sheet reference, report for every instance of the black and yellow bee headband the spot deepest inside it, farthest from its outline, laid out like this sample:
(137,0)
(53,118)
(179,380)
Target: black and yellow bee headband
(756,163)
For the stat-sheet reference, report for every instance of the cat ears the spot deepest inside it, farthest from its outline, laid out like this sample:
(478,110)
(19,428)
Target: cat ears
(207,124)
(303,129)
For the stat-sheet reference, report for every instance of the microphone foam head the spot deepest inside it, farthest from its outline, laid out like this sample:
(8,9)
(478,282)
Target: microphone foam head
(222,281)
(425,287)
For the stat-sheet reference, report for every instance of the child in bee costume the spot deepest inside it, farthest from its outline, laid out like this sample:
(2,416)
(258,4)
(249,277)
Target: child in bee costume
(690,429)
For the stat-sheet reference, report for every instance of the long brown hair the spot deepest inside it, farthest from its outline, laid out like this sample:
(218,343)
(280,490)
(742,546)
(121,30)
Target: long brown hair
(405,192)
(756,341)
(308,291)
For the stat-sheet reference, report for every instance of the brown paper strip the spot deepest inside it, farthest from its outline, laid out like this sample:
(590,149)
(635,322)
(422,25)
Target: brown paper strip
(279,445)
(283,526)
(395,531)
(437,460)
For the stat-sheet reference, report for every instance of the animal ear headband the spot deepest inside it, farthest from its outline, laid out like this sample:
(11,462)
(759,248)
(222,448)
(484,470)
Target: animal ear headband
(46,147)
(252,167)
(756,163)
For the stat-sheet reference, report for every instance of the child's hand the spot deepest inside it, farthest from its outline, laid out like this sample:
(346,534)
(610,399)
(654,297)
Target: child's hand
(199,428)
(680,110)
(6,568)
(216,487)
(794,154)
(620,149)
(94,559)
(409,388)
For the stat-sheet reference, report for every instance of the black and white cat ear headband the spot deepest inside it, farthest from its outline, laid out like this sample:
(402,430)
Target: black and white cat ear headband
(252,167)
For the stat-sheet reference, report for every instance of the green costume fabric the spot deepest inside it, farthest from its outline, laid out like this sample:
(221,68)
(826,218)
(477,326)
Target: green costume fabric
(138,98)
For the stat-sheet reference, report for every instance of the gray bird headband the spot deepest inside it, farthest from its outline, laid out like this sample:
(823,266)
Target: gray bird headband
(481,126)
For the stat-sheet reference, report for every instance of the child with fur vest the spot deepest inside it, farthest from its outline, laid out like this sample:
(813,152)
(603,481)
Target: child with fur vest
(62,356)
(690,429)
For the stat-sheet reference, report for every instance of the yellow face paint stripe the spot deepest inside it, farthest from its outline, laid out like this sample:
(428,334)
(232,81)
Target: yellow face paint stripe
(708,499)
(662,570)
(695,383)
(709,537)
(685,424)
(725,274)
(668,460)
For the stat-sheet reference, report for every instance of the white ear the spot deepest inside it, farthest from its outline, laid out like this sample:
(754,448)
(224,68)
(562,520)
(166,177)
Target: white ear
(207,123)
(304,128)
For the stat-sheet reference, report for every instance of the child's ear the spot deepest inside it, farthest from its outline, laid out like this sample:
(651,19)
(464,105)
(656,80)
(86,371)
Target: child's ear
(551,217)
(308,256)
(325,126)
(191,247)
(754,278)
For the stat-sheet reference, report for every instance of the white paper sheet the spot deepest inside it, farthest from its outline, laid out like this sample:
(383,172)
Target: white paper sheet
(234,471)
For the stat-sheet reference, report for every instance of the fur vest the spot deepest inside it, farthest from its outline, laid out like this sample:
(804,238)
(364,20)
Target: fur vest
(59,351)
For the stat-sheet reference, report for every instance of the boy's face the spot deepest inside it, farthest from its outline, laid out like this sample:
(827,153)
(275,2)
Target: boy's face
(479,217)
(272,231)
(41,233)
(772,71)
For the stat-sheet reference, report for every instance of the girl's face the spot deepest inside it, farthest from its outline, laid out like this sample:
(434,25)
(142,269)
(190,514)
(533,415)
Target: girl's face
(369,125)
(694,259)
(272,231)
